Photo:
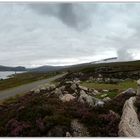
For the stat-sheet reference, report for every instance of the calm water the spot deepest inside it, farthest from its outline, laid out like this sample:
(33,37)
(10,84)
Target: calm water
(6,74)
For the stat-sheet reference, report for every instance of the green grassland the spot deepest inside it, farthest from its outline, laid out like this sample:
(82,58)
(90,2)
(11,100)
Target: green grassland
(121,86)
(24,78)
(111,95)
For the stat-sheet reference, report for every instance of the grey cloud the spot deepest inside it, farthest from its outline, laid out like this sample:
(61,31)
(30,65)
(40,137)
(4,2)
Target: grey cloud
(124,55)
(73,15)
(68,33)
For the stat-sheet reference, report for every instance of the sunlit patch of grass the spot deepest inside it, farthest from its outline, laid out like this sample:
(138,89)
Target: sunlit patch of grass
(109,94)
(121,86)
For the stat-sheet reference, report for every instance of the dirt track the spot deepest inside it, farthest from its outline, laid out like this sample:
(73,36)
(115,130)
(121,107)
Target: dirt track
(25,88)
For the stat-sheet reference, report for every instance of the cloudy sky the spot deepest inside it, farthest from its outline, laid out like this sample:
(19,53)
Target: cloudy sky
(35,34)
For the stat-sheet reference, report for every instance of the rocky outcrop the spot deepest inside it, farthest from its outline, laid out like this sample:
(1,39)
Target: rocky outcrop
(78,129)
(70,90)
(84,98)
(129,91)
(67,98)
(129,125)
(106,99)
(45,87)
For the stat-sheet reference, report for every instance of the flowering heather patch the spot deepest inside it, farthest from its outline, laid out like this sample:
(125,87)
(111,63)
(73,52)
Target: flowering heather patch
(40,115)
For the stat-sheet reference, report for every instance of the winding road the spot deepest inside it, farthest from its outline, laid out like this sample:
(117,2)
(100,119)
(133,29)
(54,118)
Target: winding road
(26,87)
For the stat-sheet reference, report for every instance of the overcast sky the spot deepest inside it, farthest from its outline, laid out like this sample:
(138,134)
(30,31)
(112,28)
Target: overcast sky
(35,34)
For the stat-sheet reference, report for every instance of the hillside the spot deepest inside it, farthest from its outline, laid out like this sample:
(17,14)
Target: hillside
(85,102)
(47,68)
(6,68)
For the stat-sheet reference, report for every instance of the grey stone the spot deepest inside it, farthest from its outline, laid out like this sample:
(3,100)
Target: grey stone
(37,90)
(129,91)
(106,99)
(99,103)
(67,98)
(58,92)
(129,125)
(78,129)
(84,98)
(83,88)
(73,86)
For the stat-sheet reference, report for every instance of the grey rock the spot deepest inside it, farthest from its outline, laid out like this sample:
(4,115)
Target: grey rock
(68,134)
(99,103)
(84,98)
(67,98)
(73,86)
(78,129)
(106,99)
(129,125)
(83,88)
(58,92)
(37,91)
(129,91)
(62,88)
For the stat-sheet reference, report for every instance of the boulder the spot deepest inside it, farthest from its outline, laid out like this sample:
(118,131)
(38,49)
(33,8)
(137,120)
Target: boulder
(84,98)
(106,99)
(78,129)
(37,90)
(52,87)
(129,125)
(114,113)
(73,86)
(58,92)
(99,80)
(65,92)
(99,103)
(68,134)
(62,88)
(42,88)
(129,91)
(74,94)
(83,88)
(107,80)
(96,92)
(67,98)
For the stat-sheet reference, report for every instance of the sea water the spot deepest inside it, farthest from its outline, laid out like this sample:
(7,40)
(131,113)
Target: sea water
(7,74)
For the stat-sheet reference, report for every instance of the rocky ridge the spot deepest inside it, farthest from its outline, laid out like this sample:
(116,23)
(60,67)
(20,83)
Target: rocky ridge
(72,90)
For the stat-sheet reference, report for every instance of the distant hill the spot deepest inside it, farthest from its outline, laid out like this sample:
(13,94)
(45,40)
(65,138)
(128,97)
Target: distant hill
(107,60)
(6,68)
(47,68)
